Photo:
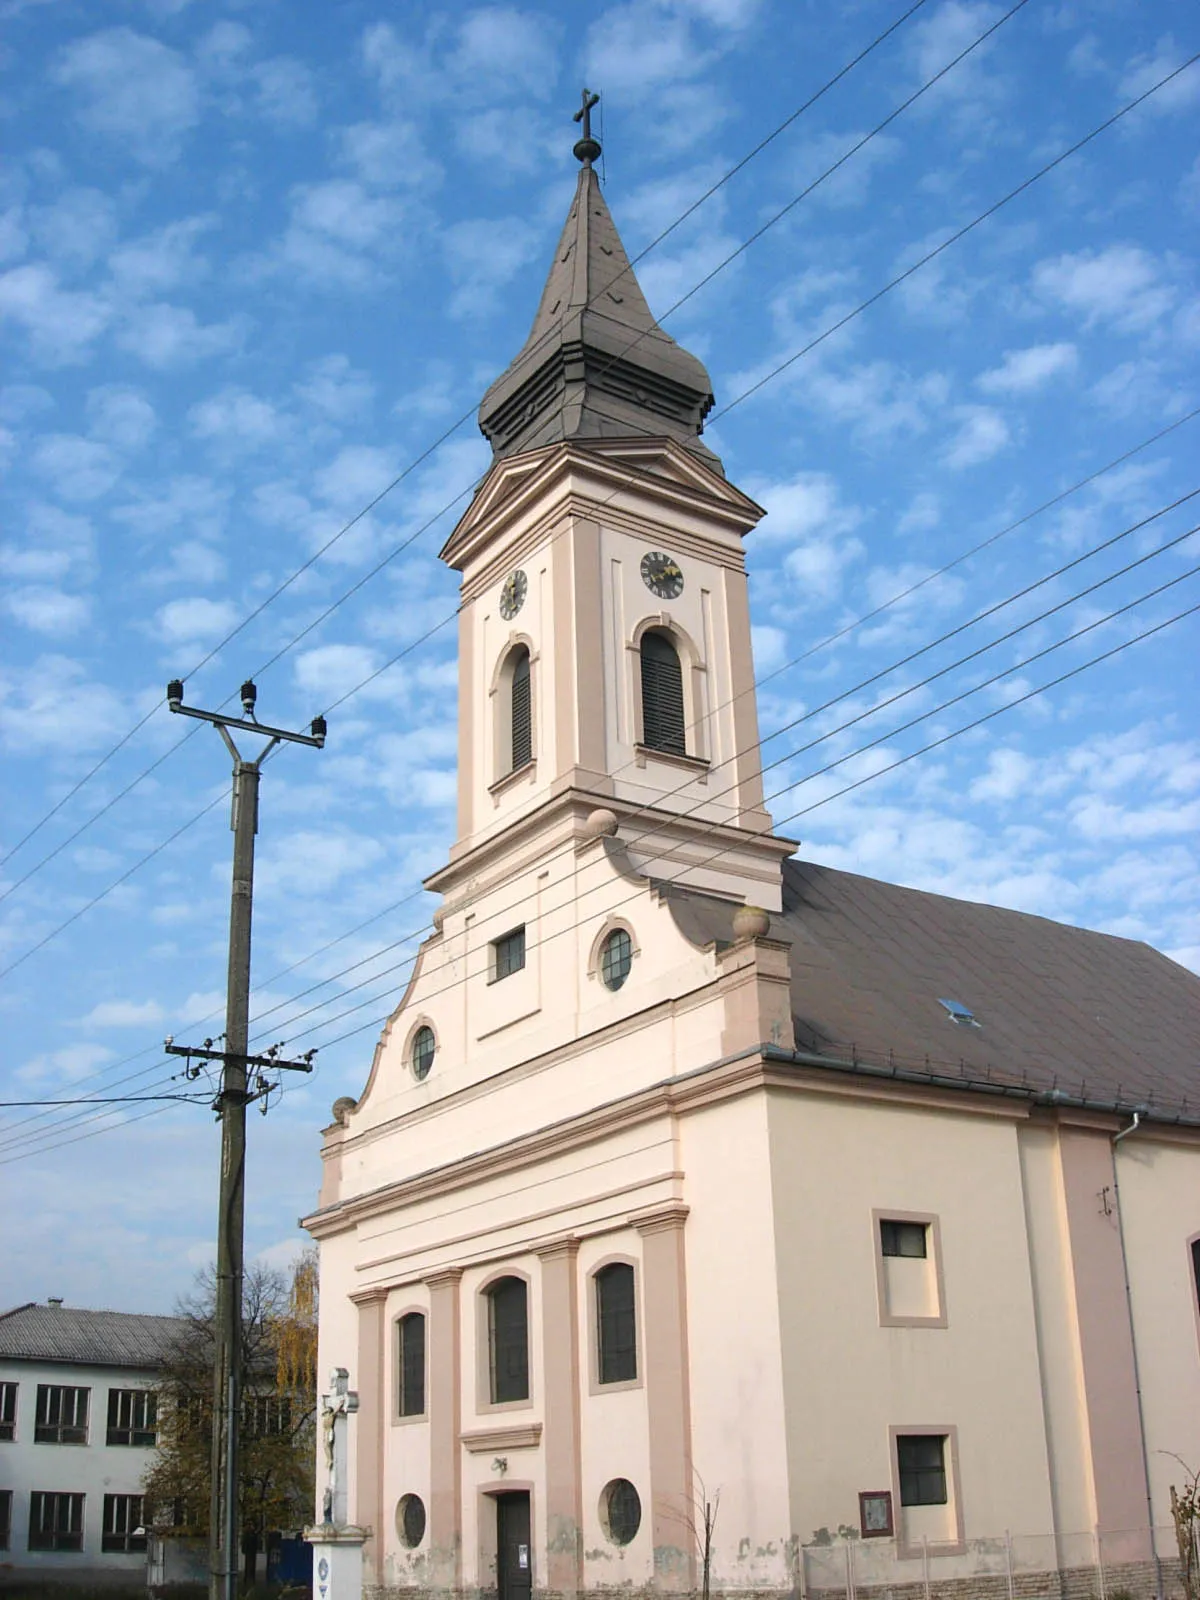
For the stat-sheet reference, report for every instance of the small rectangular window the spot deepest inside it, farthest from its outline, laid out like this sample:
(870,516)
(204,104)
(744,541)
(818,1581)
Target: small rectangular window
(921,1458)
(411,1364)
(266,1416)
(903,1238)
(616,1324)
(8,1411)
(55,1521)
(508,954)
(62,1414)
(132,1417)
(123,1532)
(5,1519)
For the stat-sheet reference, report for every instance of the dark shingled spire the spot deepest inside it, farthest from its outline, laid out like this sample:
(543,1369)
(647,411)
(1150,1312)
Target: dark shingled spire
(596,365)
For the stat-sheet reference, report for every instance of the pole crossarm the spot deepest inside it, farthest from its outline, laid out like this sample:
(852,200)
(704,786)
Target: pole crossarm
(267,1059)
(250,722)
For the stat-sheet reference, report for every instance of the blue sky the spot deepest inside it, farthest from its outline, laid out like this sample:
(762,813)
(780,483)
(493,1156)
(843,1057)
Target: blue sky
(255,259)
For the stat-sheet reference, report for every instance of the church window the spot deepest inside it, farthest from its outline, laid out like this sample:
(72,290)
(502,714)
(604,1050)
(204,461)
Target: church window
(616,958)
(410,1365)
(410,1520)
(620,1511)
(424,1047)
(508,954)
(662,695)
(616,1324)
(132,1417)
(508,1340)
(62,1414)
(520,710)
(123,1531)
(8,1410)
(55,1521)
(5,1518)
(903,1238)
(921,1458)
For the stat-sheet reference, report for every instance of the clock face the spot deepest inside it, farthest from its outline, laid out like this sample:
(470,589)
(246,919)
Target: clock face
(512,596)
(661,575)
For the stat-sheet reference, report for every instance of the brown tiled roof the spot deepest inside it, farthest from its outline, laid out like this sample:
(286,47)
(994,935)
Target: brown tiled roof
(1060,1009)
(37,1332)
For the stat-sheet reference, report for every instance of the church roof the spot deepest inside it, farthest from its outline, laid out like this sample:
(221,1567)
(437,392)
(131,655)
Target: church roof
(596,365)
(37,1332)
(1060,1012)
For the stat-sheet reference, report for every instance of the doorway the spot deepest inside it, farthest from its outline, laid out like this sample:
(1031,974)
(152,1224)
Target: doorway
(514,1549)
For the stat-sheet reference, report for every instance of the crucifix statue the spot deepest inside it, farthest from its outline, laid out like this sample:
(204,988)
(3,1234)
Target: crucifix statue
(336,1406)
(587,148)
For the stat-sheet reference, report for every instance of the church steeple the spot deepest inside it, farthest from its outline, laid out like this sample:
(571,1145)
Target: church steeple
(596,365)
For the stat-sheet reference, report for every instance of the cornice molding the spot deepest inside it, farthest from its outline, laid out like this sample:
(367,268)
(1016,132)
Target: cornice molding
(520,1436)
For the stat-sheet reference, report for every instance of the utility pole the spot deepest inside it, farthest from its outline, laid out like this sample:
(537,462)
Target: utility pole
(231,1107)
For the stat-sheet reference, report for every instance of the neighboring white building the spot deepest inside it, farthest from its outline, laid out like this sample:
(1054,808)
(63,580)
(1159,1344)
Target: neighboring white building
(77,1425)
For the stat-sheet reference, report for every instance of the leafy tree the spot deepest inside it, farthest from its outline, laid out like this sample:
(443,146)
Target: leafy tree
(277,1443)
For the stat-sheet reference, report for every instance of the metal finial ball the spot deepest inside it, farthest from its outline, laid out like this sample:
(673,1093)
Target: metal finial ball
(586,150)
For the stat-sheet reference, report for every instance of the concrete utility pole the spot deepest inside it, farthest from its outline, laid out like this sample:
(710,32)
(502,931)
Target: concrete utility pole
(231,1107)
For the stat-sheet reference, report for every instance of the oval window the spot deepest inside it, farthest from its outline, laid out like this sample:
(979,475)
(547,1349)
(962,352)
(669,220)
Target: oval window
(410,1520)
(616,958)
(424,1047)
(620,1511)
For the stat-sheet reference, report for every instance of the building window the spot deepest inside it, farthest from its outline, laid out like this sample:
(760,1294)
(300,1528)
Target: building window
(1195,1284)
(662,695)
(55,1521)
(424,1048)
(620,1511)
(410,1365)
(5,1519)
(616,958)
(520,709)
(8,1411)
(508,954)
(508,1340)
(921,1458)
(123,1532)
(266,1416)
(132,1417)
(410,1520)
(62,1415)
(903,1238)
(616,1324)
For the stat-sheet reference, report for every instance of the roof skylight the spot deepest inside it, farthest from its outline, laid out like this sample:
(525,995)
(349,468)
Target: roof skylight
(961,1014)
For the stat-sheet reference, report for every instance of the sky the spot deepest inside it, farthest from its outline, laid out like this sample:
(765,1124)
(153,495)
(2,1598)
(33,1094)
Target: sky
(259,261)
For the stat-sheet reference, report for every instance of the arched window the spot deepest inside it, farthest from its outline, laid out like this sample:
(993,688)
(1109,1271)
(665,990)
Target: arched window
(508,1340)
(520,719)
(616,1324)
(424,1048)
(662,695)
(616,958)
(410,1365)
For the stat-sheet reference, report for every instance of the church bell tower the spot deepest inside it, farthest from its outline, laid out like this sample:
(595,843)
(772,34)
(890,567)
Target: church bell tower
(604,633)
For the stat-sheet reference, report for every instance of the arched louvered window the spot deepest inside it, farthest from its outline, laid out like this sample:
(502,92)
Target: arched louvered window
(616,1323)
(662,695)
(521,723)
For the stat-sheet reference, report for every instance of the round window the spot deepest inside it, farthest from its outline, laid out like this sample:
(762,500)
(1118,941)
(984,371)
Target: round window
(620,1510)
(410,1520)
(616,958)
(424,1047)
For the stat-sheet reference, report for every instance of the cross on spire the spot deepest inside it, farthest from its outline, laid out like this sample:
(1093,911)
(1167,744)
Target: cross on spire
(587,148)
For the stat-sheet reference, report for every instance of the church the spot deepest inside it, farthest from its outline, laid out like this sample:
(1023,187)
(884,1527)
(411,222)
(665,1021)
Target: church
(710,1219)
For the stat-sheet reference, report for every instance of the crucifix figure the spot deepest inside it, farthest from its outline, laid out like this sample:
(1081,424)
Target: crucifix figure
(587,148)
(336,1406)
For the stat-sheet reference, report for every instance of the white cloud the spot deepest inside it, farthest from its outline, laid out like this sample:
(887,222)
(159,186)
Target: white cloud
(632,48)
(982,434)
(287,93)
(123,1014)
(195,621)
(356,474)
(61,323)
(336,389)
(1009,774)
(808,504)
(332,670)
(45,610)
(1122,285)
(51,705)
(391,155)
(236,417)
(164,335)
(483,256)
(66,1066)
(1144,71)
(121,415)
(77,227)
(1022,371)
(309,863)
(159,261)
(76,468)
(133,89)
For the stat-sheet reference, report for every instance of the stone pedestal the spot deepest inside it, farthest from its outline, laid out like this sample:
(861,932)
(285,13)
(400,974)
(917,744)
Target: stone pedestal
(337,1561)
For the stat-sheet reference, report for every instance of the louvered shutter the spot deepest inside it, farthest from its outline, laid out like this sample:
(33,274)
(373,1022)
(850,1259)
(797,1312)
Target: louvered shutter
(522,726)
(662,695)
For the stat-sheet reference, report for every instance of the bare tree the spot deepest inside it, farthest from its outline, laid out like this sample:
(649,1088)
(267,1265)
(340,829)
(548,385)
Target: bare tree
(1185,1512)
